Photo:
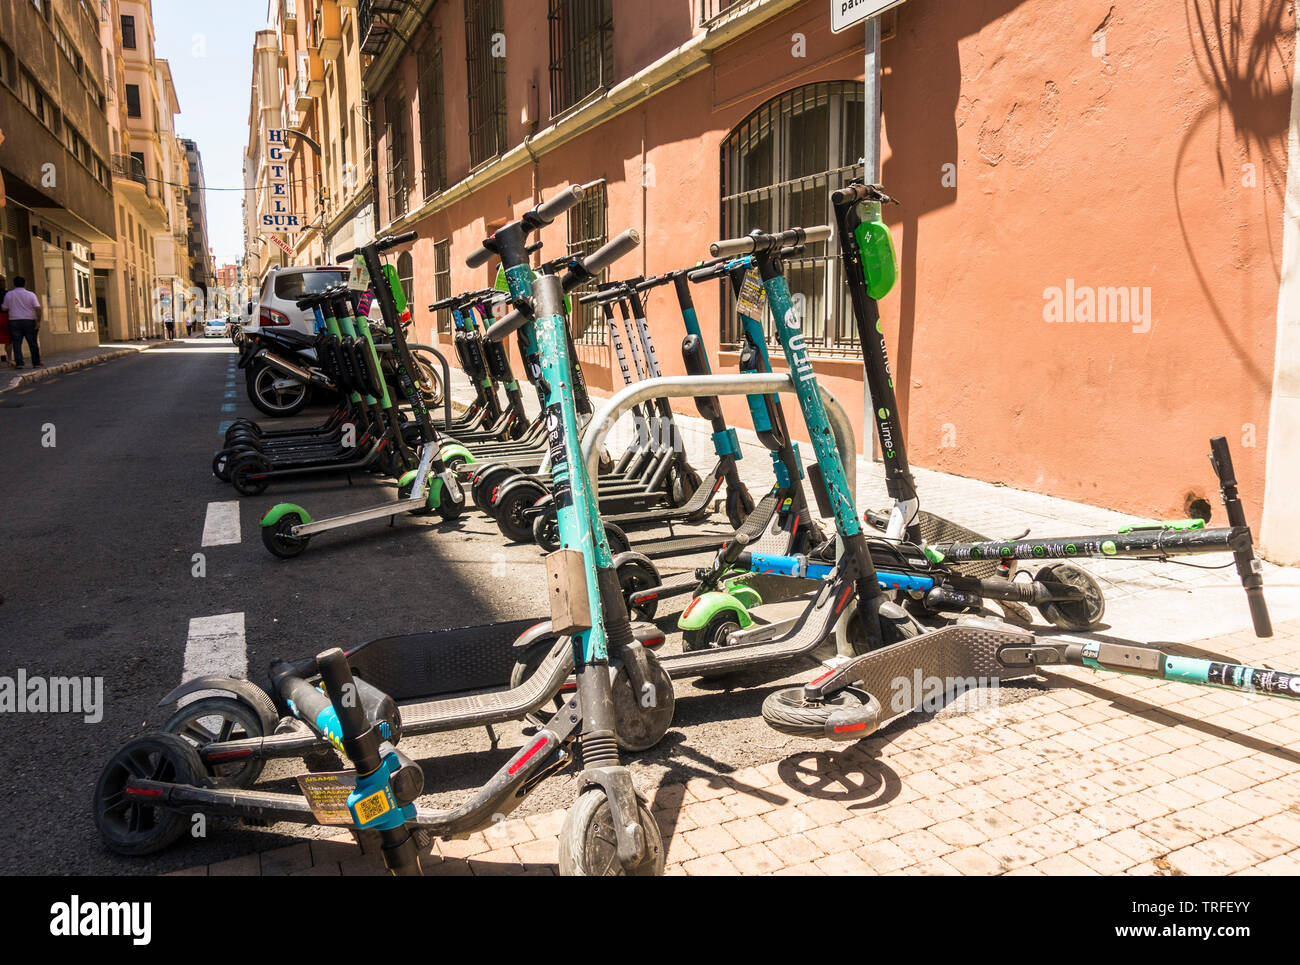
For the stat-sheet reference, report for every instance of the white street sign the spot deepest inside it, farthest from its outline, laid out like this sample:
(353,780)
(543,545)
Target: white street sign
(846,13)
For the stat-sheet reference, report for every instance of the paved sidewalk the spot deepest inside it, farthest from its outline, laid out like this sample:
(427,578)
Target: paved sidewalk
(57,363)
(1080,774)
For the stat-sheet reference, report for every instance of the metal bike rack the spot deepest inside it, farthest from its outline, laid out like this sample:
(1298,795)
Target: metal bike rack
(690,386)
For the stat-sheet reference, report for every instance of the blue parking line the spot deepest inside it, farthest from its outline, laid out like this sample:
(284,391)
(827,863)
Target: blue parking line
(230,394)
(221,429)
(228,407)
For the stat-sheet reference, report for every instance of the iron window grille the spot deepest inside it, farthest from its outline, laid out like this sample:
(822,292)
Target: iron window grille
(587,232)
(442,283)
(433,136)
(582,49)
(487,80)
(778,168)
(399,187)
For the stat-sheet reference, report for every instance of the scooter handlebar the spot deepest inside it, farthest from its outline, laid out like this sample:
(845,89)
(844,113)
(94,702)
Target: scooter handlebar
(760,243)
(853,193)
(602,258)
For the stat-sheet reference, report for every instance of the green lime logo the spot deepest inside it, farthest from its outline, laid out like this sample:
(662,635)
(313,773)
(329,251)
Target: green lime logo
(880,326)
(1008,551)
(975,553)
(1071,549)
(883,413)
(1039,551)
(1108,547)
(890,454)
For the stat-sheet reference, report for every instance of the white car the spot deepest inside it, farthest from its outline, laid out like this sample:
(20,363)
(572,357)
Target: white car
(277,306)
(214,328)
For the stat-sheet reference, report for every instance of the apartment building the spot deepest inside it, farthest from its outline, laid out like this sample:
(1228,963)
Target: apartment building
(202,269)
(55,160)
(141,279)
(1143,153)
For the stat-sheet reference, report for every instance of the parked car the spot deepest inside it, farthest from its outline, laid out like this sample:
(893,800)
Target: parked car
(277,307)
(214,328)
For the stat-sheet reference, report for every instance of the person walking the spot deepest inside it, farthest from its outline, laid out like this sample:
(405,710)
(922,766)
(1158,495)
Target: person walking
(4,323)
(24,310)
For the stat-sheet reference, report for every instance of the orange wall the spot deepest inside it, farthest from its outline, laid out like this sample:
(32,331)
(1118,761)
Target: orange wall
(1121,167)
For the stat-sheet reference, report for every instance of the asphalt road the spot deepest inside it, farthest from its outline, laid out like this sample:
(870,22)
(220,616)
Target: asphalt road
(101,529)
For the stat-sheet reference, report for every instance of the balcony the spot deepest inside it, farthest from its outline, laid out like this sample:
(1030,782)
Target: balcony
(328,29)
(302,96)
(315,74)
(130,169)
(373,22)
(289,14)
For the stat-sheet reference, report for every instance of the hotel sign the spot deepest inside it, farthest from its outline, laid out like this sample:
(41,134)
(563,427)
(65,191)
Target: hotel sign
(279,217)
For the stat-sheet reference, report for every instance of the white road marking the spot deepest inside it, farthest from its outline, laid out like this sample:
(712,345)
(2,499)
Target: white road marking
(221,527)
(216,645)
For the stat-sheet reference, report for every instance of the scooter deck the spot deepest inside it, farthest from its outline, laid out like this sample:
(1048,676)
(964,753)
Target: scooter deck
(493,707)
(909,675)
(412,666)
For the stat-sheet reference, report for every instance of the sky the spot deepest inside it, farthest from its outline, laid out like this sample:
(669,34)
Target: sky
(210,48)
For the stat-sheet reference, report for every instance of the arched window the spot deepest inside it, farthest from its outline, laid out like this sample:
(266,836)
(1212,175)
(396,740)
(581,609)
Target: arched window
(778,168)
(406,273)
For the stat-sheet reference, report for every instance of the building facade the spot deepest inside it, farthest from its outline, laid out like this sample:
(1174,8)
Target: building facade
(142,279)
(1122,174)
(202,269)
(308,159)
(56,162)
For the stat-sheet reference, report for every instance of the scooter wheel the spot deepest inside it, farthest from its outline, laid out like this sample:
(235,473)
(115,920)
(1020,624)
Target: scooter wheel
(787,711)
(642,719)
(634,575)
(449,508)
(1082,614)
(221,465)
(713,635)
(511,513)
(222,718)
(490,488)
(617,539)
(588,845)
(248,473)
(133,825)
(546,531)
(280,541)
(739,505)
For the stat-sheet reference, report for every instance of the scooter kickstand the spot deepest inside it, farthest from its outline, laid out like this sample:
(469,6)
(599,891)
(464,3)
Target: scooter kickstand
(492,736)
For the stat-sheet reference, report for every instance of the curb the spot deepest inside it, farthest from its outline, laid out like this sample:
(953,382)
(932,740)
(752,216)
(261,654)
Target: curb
(50,372)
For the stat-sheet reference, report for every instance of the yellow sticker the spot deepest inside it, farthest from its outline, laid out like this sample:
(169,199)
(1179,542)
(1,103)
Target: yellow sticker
(369,808)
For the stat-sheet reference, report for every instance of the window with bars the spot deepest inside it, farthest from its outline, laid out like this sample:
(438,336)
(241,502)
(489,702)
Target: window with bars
(778,168)
(399,187)
(587,232)
(486,65)
(582,49)
(442,283)
(433,135)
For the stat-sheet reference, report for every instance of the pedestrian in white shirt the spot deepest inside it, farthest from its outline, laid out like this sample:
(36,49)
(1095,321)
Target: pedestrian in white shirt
(24,310)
